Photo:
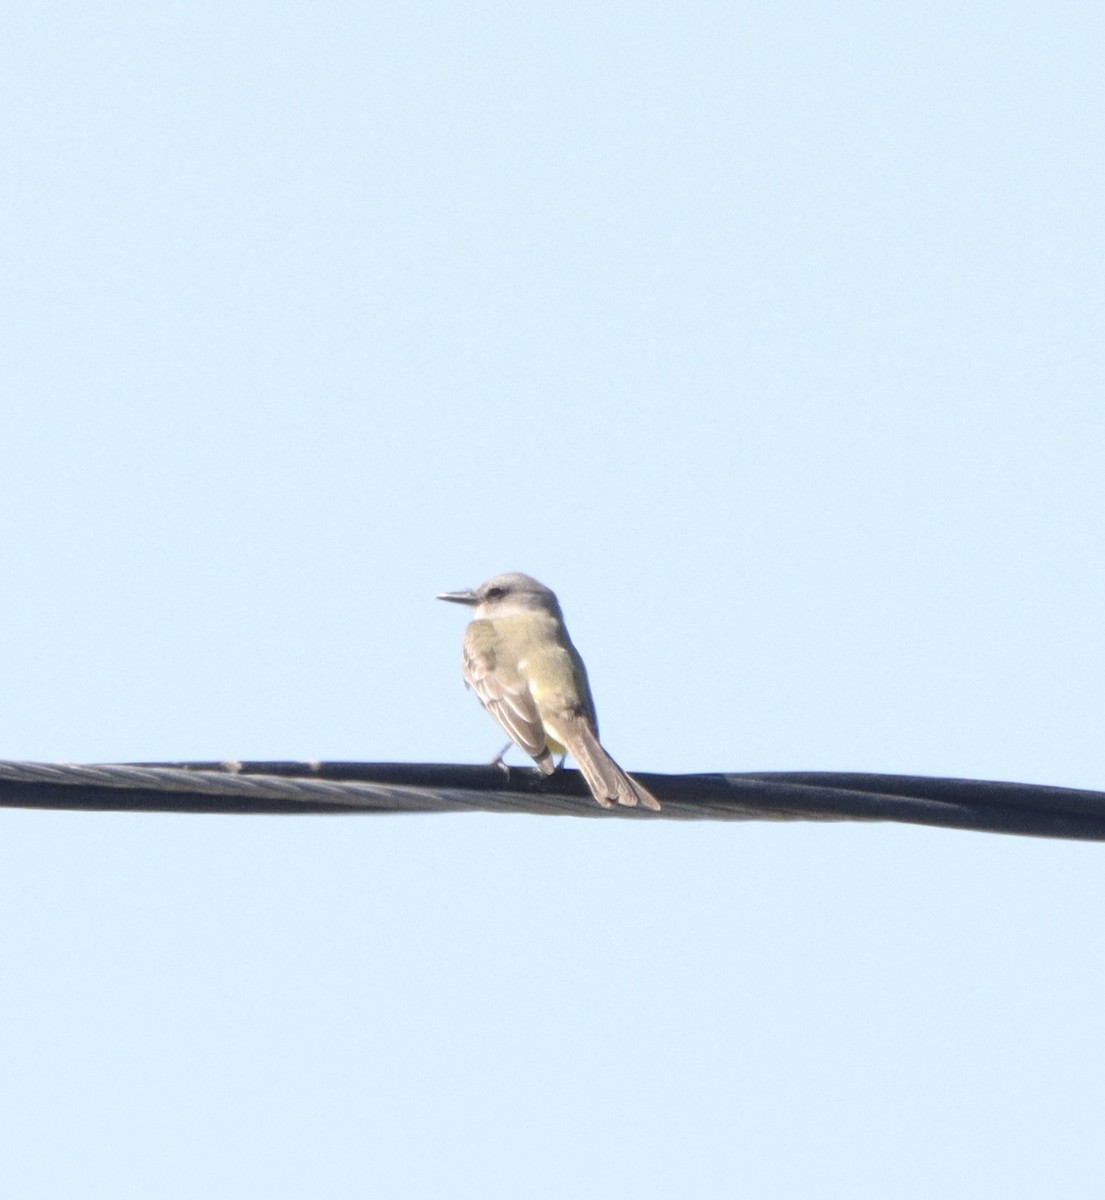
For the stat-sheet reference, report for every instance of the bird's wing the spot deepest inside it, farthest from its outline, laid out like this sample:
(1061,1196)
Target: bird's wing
(503,691)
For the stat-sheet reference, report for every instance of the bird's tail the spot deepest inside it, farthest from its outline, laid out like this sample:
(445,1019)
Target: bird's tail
(607,781)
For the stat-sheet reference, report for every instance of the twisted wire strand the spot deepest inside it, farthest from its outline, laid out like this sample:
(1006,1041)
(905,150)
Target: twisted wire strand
(232,787)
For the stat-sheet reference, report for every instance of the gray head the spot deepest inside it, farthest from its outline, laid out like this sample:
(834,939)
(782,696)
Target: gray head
(504,595)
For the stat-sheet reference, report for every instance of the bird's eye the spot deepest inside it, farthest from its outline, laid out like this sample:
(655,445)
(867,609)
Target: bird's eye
(494,593)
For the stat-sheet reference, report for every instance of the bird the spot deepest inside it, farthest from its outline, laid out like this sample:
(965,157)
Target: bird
(524,669)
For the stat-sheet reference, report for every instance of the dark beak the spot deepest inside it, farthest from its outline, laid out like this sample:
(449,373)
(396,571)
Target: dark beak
(465,597)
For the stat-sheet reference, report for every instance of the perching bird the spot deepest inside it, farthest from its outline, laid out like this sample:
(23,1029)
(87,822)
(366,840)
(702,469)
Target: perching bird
(520,661)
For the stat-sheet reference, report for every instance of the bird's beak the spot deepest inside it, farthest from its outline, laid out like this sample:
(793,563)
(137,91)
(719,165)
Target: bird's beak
(466,597)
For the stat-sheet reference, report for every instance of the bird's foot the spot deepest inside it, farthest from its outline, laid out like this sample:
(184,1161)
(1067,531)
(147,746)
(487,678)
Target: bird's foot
(497,761)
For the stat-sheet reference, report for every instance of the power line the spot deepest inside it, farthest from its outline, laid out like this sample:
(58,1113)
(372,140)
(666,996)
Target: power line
(284,787)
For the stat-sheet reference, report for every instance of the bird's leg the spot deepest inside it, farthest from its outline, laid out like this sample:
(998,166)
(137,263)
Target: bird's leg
(497,761)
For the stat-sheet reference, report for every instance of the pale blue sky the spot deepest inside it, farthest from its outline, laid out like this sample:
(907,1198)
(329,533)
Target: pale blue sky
(773,338)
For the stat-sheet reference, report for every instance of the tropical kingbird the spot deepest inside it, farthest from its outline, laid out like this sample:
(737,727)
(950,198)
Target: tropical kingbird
(520,661)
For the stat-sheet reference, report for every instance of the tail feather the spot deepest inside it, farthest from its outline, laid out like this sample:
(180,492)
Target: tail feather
(607,781)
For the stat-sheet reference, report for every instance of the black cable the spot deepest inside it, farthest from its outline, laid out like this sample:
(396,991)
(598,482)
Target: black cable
(282,787)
